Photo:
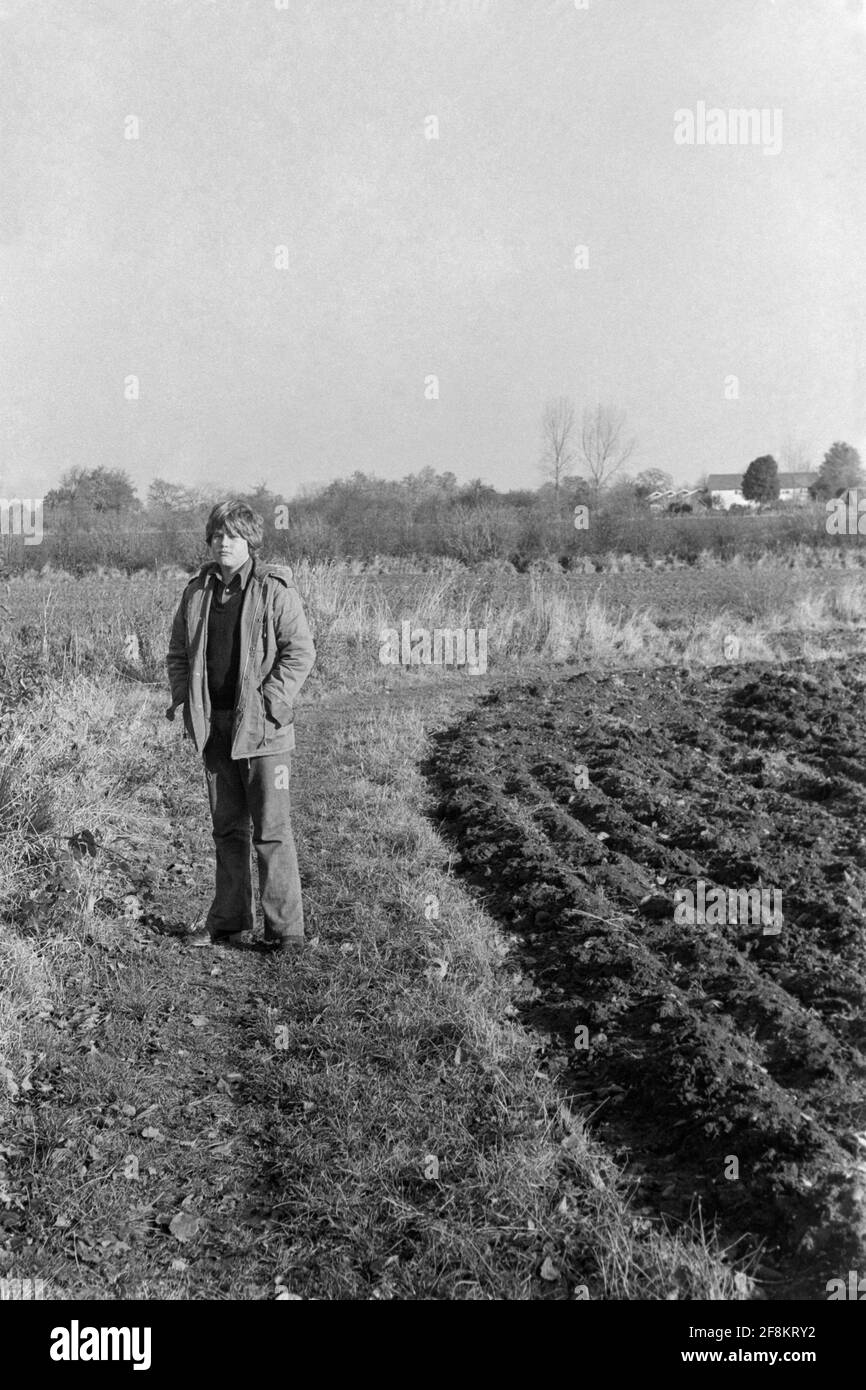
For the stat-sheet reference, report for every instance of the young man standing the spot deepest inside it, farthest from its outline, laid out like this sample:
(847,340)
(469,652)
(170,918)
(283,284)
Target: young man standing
(239,652)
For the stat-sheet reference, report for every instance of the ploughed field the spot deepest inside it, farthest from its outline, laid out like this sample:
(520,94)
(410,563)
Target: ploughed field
(724,1067)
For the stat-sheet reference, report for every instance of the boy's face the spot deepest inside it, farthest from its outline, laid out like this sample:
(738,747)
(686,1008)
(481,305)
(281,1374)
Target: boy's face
(230,552)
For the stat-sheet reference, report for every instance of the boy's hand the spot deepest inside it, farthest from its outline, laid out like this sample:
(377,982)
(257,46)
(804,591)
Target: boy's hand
(169,714)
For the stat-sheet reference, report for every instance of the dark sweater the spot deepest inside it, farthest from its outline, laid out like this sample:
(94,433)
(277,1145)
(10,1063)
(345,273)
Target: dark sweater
(224,645)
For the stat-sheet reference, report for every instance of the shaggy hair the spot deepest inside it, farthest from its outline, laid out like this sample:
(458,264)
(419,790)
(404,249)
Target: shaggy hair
(236,519)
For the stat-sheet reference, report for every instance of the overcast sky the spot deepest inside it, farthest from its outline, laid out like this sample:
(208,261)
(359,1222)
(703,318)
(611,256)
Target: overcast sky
(407,257)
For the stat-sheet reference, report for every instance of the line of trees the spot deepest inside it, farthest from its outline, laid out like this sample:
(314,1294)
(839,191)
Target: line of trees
(94,515)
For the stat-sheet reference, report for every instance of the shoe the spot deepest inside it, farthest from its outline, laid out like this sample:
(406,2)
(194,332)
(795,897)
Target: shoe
(203,940)
(282,946)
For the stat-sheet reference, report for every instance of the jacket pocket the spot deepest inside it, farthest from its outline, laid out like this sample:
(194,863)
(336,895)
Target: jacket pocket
(278,710)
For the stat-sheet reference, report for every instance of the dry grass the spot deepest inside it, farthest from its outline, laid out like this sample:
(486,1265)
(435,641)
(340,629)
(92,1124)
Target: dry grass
(91,626)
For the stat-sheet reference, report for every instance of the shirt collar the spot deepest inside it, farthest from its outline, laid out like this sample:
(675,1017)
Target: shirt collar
(242,575)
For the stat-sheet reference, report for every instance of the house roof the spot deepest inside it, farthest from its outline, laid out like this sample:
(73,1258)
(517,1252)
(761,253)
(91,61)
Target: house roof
(797,479)
(733,482)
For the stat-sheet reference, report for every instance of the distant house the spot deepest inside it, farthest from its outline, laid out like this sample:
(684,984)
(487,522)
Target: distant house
(726,489)
(663,500)
(794,487)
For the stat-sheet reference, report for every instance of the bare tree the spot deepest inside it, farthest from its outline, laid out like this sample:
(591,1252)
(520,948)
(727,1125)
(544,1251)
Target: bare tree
(604,445)
(557,429)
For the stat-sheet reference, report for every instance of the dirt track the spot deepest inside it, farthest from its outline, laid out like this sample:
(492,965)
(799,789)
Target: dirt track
(705,1042)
